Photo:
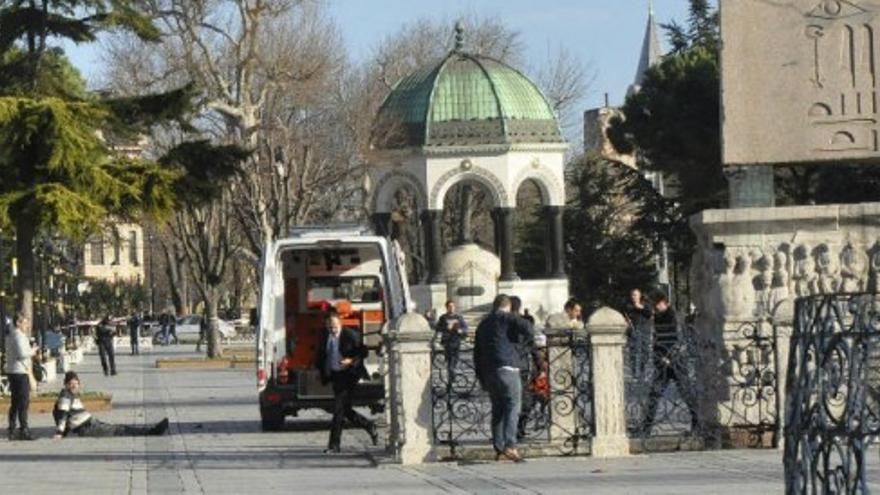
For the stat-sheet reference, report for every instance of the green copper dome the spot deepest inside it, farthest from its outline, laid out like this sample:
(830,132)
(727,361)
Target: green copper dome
(465,100)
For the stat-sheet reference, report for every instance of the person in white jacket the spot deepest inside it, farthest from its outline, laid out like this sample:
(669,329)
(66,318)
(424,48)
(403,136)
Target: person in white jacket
(19,352)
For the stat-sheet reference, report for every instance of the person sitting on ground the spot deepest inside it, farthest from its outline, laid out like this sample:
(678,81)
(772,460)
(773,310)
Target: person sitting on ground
(71,417)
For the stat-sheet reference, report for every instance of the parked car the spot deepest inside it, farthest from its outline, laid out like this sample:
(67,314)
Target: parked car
(187,329)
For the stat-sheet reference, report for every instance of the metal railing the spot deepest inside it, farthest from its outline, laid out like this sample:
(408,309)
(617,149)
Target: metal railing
(557,406)
(833,401)
(689,391)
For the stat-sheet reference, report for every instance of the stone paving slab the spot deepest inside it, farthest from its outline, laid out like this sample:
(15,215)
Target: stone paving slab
(216,446)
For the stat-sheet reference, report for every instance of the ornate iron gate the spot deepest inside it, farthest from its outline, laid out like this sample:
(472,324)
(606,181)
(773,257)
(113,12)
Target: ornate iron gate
(688,391)
(833,402)
(556,419)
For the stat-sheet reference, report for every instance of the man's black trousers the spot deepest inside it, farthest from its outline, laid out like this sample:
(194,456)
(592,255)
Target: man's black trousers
(20,387)
(105,350)
(344,384)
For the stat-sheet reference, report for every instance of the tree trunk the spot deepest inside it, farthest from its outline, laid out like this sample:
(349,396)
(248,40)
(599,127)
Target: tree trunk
(177,280)
(215,345)
(25,231)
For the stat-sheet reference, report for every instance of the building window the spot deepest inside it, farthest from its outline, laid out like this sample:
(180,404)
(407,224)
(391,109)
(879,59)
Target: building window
(116,250)
(133,248)
(96,247)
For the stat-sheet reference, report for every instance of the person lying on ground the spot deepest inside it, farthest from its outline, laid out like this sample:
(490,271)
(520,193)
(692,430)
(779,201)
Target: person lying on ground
(71,417)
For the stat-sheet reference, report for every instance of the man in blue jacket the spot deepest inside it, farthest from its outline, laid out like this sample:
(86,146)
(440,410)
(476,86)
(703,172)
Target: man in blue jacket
(496,361)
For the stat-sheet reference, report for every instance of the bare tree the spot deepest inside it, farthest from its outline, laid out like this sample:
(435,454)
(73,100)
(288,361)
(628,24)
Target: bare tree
(207,236)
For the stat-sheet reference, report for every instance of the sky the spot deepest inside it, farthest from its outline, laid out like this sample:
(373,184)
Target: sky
(604,34)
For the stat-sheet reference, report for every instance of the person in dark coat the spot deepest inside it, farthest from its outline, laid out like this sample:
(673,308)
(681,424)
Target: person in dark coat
(670,358)
(496,362)
(531,366)
(340,361)
(134,331)
(105,346)
(452,328)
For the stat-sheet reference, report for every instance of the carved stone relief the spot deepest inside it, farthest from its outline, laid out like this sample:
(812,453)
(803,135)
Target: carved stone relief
(741,283)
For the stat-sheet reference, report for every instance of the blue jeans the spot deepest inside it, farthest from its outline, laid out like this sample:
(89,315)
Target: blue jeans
(505,391)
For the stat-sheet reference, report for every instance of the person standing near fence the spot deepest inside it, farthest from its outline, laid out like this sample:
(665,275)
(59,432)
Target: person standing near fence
(495,361)
(670,356)
(19,351)
(569,319)
(453,329)
(532,368)
(105,336)
(134,333)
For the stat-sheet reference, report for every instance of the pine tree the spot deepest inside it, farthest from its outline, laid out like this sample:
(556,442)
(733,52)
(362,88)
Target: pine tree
(59,172)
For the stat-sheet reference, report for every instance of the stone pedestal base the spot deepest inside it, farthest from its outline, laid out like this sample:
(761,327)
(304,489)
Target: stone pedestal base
(541,297)
(616,446)
(750,266)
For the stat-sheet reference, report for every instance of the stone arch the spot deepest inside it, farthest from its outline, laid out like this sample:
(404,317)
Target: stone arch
(391,182)
(477,174)
(552,190)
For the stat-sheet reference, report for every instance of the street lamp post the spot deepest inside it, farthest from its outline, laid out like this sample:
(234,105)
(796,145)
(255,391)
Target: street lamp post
(150,268)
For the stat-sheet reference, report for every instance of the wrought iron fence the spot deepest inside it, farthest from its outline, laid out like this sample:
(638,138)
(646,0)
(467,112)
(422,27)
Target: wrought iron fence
(833,399)
(686,390)
(557,411)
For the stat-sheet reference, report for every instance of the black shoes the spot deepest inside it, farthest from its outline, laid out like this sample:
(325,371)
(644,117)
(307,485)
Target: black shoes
(160,428)
(26,434)
(374,435)
(10,434)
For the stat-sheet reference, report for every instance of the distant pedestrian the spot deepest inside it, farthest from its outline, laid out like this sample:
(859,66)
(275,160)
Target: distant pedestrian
(340,361)
(532,367)
(203,332)
(105,334)
(71,417)
(452,328)
(670,356)
(569,319)
(134,333)
(172,328)
(19,351)
(164,322)
(640,318)
(495,361)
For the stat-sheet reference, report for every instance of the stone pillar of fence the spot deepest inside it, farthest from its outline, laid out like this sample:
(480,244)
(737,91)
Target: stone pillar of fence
(408,389)
(607,329)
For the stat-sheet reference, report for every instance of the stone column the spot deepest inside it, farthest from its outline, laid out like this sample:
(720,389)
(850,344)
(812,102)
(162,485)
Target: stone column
(381,223)
(607,329)
(504,220)
(431,224)
(408,390)
(556,258)
(750,186)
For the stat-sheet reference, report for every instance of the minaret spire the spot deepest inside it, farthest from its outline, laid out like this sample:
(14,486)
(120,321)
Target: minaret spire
(652,52)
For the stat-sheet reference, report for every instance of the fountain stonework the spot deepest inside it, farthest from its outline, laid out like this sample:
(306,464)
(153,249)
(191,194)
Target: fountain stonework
(799,86)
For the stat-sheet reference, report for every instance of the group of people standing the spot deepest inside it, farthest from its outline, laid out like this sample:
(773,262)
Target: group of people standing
(655,323)
(509,362)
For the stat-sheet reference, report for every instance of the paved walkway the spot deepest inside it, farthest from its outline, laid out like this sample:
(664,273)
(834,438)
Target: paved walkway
(216,446)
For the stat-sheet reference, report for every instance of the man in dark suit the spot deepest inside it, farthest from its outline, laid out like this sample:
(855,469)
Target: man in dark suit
(341,362)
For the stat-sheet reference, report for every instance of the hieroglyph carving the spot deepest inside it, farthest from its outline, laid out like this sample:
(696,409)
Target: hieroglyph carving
(843,115)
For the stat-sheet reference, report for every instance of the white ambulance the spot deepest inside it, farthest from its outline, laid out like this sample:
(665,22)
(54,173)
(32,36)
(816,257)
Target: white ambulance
(361,276)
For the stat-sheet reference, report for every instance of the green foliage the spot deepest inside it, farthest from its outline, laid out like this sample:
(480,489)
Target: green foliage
(117,298)
(613,224)
(202,168)
(55,77)
(673,124)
